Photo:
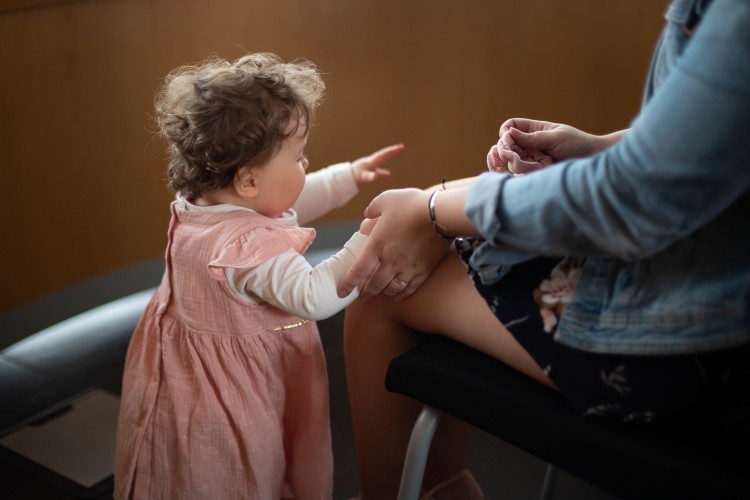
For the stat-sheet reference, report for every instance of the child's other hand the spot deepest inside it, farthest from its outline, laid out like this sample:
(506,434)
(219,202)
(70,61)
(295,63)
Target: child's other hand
(367,169)
(366,226)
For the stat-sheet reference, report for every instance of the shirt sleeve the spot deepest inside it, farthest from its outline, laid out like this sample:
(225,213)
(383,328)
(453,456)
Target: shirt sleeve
(684,162)
(290,283)
(325,189)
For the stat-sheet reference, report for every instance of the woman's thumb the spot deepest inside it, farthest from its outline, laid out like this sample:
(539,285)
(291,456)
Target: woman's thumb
(525,140)
(373,210)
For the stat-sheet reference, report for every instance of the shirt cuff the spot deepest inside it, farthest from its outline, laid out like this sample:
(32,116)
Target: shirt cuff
(356,243)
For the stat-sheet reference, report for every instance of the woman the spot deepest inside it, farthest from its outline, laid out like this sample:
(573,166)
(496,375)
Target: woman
(646,319)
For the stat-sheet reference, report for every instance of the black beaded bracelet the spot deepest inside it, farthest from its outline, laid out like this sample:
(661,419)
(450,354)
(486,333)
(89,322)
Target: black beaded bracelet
(440,230)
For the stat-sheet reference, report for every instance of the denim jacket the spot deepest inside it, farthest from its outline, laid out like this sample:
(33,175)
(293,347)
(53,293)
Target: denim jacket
(662,216)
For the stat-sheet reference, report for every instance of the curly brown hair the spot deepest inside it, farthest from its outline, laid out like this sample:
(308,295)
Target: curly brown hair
(218,116)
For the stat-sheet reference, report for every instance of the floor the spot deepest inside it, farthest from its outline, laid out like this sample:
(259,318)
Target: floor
(503,471)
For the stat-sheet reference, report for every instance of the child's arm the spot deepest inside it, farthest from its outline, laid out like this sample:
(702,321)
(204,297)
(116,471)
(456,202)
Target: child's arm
(334,186)
(325,189)
(290,283)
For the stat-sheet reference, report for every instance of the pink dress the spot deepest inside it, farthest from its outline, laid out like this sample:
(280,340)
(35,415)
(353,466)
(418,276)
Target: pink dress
(223,399)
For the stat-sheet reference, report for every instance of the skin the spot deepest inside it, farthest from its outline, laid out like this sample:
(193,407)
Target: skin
(403,220)
(438,298)
(528,145)
(403,245)
(379,329)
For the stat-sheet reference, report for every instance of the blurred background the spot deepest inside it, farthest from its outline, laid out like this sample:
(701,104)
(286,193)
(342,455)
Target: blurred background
(82,172)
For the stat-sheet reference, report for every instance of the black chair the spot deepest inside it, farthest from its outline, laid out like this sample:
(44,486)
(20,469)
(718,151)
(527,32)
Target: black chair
(629,461)
(57,350)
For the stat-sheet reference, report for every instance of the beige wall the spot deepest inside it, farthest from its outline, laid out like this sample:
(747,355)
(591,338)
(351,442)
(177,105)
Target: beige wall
(82,175)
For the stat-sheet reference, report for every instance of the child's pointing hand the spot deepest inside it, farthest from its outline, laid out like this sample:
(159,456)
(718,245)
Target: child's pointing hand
(368,168)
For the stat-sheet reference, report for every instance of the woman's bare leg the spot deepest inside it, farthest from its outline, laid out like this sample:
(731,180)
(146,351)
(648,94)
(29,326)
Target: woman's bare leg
(379,329)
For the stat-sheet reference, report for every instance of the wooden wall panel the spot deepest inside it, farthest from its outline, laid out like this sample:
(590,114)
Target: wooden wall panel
(82,174)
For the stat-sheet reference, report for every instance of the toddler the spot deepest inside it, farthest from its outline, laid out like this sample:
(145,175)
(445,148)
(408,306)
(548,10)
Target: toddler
(225,393)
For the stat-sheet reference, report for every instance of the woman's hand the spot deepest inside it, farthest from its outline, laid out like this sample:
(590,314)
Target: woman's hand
(368,168)
(402,249)
(528,145)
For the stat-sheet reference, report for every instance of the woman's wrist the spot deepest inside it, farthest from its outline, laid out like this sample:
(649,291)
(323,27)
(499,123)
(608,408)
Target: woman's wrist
(431,206)
(445,212)
(608,140)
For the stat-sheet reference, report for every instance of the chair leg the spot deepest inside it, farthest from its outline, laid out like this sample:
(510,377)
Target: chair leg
(417,452)
(548,486)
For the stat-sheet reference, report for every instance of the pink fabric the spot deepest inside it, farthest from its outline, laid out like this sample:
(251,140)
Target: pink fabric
(217,401)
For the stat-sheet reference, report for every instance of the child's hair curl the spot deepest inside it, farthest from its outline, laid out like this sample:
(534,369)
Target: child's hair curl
(218,116)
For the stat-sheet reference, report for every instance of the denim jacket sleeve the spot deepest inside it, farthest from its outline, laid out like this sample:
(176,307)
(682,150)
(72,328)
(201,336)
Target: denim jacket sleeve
(684,161)
(662,215)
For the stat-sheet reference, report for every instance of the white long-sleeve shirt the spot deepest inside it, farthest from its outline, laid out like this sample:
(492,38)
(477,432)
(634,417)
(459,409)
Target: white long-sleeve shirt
(288,281)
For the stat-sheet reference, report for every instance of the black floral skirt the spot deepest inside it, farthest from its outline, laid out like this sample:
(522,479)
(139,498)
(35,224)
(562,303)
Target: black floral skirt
(703,388)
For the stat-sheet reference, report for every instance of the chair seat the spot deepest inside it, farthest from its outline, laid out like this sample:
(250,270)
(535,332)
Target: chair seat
(637,461)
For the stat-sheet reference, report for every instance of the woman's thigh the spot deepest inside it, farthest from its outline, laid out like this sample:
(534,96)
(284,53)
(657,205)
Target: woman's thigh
(448,304)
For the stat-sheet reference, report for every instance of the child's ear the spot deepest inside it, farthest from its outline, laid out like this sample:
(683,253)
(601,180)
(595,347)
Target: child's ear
(245,182)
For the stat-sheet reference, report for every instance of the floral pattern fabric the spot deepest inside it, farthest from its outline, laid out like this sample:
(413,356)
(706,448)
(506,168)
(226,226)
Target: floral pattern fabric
(530,299)
(555,292)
